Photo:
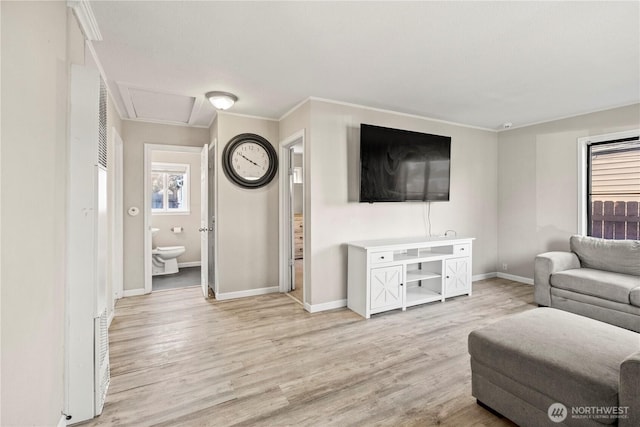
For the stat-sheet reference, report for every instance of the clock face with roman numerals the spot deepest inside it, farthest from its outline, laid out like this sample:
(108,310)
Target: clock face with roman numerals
(249,161)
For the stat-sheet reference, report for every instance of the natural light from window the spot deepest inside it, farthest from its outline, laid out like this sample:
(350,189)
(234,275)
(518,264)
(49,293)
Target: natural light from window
(614,189)
(169,188)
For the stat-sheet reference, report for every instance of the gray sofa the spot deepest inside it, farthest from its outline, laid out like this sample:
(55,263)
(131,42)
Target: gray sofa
(552,367)
(599,279)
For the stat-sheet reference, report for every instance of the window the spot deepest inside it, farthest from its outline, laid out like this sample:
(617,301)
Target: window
(611,186)
(170,188)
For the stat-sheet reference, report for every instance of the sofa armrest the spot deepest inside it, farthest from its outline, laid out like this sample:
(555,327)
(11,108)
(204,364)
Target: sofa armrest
(629,390)
(545,265)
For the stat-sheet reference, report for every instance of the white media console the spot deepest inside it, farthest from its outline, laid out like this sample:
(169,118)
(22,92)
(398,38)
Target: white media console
(399,273)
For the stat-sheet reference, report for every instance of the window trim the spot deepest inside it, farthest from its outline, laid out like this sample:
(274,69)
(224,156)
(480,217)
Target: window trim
(583,170)
(166,167)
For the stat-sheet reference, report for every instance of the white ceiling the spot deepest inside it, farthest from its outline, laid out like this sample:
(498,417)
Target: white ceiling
(474,63)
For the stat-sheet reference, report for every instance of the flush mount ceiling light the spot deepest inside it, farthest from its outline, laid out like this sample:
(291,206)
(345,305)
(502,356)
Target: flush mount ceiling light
(221,100)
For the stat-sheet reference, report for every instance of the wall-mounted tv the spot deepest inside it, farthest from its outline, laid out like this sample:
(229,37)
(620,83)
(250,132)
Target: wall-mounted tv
(403,166)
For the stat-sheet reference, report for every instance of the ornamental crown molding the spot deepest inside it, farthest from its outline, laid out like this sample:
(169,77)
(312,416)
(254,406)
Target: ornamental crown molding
(86,19)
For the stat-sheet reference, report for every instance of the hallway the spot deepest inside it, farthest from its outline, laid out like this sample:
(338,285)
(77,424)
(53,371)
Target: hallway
(180,360)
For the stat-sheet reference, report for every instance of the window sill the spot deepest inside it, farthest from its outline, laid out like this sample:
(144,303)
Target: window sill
(164,213)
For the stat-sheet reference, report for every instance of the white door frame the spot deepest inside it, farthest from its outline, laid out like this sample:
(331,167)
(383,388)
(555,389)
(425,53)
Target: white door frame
(204,221)
(117,227)
(213,211)
(149,148)
(285,242)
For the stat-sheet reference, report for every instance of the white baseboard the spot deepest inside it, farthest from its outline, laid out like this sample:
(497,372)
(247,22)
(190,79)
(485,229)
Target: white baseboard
(484,276)
(325,306)
(221,296)
(62,422)
(515,278)
(189,264)
(133,292)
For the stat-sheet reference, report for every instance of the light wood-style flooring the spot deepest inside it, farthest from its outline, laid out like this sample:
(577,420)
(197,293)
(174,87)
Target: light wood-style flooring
(180,360)
(297,292)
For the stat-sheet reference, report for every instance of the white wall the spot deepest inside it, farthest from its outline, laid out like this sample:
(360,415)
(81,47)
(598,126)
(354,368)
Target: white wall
(190,236)
(36,52)
(135,135)
(538,184)
(332,184)
(247,221)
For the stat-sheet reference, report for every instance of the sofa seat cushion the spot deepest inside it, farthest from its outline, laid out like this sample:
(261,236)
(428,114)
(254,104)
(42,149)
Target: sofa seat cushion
(569,358)
(634,297)
(603,284)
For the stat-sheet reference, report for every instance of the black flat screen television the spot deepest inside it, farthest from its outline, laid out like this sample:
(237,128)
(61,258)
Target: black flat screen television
(403,166)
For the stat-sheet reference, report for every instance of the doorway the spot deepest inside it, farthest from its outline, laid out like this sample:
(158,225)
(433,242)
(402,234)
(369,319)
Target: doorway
(292,217)
(176,217)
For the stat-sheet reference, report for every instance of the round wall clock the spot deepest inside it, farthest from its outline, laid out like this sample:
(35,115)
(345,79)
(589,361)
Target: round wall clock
(249,161)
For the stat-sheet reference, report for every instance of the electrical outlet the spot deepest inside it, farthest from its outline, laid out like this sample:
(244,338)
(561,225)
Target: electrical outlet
(505,266)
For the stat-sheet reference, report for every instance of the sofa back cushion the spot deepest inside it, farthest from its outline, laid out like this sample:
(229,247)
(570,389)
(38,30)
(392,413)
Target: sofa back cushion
(620,256)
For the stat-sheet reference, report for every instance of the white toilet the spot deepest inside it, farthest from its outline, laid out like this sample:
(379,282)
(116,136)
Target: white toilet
(165,258)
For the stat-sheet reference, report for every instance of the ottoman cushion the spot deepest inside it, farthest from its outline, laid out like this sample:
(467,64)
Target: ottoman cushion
(572,359)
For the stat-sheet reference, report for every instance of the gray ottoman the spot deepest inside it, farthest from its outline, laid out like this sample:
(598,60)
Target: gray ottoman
(523,364)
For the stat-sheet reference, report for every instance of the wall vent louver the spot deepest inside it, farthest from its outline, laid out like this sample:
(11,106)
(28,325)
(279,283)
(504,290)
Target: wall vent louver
(102,128)
(102,369)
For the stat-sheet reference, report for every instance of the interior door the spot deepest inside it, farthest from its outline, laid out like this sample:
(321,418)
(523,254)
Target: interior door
(212,216)
(204,220)
(292,245)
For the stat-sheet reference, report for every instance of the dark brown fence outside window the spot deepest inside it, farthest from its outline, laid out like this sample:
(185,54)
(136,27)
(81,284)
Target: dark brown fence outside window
(615,220)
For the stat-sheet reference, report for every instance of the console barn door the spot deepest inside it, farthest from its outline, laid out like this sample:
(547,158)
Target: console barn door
(386,288)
